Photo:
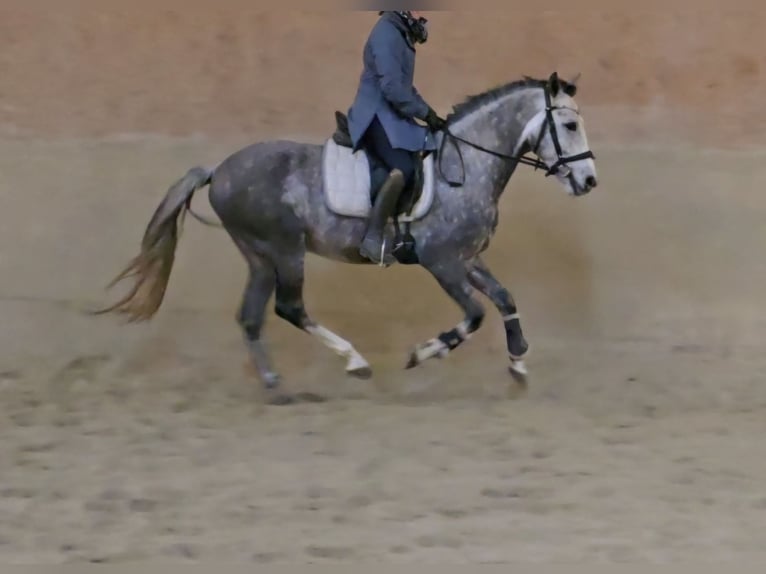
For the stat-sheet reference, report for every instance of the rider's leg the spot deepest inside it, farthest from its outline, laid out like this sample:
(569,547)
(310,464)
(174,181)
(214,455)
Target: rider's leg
(401,164)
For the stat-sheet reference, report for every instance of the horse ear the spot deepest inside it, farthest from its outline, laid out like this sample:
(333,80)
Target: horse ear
(554,84)
(570,87)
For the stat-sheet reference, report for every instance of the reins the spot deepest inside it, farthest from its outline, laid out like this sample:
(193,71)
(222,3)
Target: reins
(533,162)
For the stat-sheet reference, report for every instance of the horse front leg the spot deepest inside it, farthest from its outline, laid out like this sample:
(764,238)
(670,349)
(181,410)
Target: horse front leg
(481,278)
(453,278)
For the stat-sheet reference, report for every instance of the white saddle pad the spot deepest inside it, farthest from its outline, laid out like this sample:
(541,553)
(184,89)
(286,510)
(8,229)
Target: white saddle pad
(346,182)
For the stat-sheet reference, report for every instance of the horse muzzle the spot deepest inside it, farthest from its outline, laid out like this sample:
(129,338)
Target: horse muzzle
(580,189)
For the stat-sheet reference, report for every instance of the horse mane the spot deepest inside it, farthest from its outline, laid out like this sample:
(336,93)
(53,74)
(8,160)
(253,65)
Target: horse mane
(473,103)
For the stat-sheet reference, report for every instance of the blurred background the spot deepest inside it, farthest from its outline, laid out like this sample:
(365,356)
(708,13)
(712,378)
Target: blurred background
(642,301)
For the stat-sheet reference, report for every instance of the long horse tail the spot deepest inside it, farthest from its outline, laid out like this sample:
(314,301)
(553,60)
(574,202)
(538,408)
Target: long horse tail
(151,268)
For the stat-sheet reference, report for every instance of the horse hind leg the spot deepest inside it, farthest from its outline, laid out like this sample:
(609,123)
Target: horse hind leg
(252,312)
(289,305)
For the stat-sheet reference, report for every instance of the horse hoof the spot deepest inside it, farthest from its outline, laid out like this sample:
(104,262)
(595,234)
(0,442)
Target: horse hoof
(271,381)
(519,373)
(413,361)
(519,378)
(362,373)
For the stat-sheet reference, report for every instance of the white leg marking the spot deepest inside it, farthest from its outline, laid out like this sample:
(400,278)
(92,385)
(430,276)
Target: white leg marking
(511,317)
(340,346)
(432,348)
(519,366)
(462,330)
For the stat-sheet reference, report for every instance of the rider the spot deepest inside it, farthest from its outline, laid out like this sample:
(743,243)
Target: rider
(382,117)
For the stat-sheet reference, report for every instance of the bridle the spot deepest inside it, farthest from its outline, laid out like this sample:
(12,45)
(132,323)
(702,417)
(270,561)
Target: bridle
(536,162)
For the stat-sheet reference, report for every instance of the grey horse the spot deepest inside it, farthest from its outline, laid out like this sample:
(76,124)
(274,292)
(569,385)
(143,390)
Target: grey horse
(271,199)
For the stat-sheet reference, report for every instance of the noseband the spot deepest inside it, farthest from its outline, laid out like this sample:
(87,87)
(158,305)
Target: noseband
(549,123)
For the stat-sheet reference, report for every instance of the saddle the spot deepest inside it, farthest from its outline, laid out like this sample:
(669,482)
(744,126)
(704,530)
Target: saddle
(379,172)
(352,179)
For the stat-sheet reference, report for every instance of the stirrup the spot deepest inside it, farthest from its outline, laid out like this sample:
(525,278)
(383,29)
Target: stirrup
(383,253)
(369,254)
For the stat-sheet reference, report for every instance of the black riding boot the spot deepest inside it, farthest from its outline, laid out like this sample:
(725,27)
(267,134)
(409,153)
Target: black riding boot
(373,247)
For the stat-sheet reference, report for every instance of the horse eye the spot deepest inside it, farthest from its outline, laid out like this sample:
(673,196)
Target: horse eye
(571,126)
